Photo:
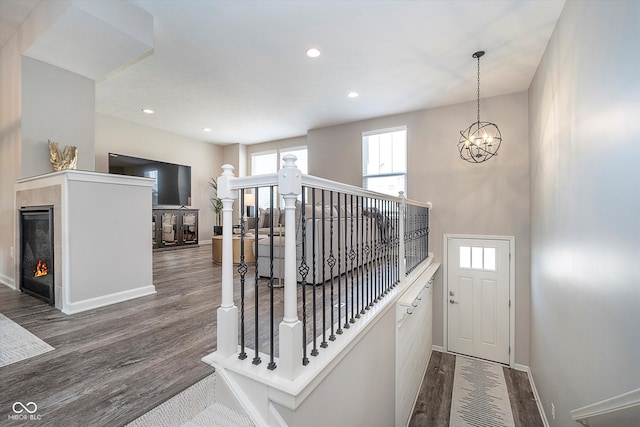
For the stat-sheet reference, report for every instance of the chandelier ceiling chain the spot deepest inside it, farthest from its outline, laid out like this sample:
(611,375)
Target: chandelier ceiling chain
(480,141)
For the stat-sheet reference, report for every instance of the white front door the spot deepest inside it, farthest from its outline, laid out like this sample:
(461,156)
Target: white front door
(478,298)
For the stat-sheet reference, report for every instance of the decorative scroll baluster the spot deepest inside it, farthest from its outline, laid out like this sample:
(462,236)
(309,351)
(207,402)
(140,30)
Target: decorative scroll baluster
(256,358)
(242,270)
(367,252)
(385,243)
(359,259)
(352,257)
(339,331)
(323,344)
(304,271)
(397,240)
(314,255)
(332,262)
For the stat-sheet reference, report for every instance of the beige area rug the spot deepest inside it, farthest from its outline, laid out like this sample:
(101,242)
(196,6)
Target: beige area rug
(18,343)
(480,397)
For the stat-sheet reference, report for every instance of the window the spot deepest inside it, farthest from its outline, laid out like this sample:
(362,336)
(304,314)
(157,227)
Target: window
(271,162)
(384,160)
(263,163)
(153,173)
(478,258)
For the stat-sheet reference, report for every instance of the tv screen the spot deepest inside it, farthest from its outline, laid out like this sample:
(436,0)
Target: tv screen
(172,182)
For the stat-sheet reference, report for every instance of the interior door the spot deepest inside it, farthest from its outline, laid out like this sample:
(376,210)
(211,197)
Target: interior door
(478,298)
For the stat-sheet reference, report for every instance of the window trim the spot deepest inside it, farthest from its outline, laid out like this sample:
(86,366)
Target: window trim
(383,131)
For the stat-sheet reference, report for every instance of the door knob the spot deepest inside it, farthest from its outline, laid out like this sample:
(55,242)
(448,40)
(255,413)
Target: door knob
(452,301)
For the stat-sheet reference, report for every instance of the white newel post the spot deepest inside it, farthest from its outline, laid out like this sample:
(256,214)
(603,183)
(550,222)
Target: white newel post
(290,186)
(227,312)
(402,261)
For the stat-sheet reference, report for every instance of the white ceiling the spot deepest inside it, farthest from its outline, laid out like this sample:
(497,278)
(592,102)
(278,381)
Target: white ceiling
(239,67)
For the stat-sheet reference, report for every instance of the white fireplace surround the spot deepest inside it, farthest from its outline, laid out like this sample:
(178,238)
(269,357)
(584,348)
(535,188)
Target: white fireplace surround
(102,235)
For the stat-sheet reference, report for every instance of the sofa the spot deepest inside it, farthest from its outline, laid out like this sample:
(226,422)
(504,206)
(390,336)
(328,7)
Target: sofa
(369,219)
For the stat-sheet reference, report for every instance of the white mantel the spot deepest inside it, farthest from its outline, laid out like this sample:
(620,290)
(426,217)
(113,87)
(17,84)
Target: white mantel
(102,235)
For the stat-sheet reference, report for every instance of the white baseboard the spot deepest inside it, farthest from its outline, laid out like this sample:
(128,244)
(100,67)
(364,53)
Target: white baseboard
(91,303)
(526,369)
(8,281)
(437,348)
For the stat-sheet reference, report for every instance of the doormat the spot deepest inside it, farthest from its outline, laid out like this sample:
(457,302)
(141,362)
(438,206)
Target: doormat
(480,397)
(18,343)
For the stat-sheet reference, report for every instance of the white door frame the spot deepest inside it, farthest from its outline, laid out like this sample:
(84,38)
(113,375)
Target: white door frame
(512,289)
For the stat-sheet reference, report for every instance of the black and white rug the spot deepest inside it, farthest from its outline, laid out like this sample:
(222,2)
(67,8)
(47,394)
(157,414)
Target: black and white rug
(480,397)
(18,343)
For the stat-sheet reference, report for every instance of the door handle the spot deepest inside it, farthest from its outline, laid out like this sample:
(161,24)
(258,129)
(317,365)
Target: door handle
(452,301)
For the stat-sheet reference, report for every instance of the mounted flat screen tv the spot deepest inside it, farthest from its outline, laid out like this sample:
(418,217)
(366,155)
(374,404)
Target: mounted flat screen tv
(173,182)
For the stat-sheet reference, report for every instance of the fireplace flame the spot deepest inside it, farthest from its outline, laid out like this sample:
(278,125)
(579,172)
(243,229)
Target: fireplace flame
(41,269)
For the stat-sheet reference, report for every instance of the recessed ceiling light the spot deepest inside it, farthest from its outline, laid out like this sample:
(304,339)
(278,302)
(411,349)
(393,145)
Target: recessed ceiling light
(148,111)
(206,129)
(313,52)
(353,94)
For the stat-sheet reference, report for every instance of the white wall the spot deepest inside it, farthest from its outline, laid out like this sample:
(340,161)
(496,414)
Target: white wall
(486,199)
(115,135)
(368,399)
(585,208)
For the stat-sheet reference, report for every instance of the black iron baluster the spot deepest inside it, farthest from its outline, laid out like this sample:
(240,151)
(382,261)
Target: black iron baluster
(332,262)
(256,357)
(314,230)
(385,260)
(272,363)
(394,256)
(374,238)
(339,331)
(346,262)
(360,253)
(242,270)
(408,242)
(397,239)
(352,257)
(323,344)
(304,270)
(389,247)
(426,241)
(367,252)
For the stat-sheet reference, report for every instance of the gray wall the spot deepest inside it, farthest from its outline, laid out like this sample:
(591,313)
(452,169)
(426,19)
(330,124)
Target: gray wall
(57,105)
(11,106)
(486,199)
(585,208)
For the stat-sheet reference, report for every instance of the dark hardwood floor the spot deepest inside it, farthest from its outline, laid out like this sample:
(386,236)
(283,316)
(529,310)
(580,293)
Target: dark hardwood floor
(112,364)
(434,400)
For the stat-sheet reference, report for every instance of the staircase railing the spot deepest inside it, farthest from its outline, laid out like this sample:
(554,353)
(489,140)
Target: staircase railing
(345,247)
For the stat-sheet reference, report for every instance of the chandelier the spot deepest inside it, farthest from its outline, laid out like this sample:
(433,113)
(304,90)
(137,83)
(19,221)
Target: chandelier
(480,141)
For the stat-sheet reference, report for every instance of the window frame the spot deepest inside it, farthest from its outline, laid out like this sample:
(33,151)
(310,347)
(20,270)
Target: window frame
(366,177)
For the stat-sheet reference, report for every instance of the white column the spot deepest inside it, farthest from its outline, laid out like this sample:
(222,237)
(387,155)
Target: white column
(290,329)
(227,312)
